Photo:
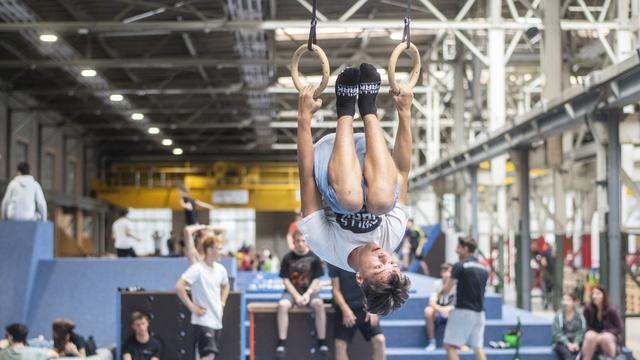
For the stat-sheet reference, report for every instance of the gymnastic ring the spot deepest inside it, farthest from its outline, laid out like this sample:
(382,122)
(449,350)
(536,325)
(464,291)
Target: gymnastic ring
(393,60)
(295,60)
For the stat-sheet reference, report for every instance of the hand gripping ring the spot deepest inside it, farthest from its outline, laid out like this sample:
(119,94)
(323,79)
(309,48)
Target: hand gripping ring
(295,60)
(415,72)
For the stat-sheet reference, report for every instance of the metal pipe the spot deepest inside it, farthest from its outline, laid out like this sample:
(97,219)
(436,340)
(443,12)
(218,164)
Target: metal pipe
(225,25)
(614,193)
(524,253)
(473,174)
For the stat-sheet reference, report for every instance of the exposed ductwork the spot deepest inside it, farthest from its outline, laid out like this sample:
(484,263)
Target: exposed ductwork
(252,44)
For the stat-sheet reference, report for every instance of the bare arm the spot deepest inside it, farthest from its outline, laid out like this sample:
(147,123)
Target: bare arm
(309,195)
(291,289)
(402,147)
(181,290)
(205,205)
(189,247)
(314,287)
(224,293)
(337,294)
(126,356)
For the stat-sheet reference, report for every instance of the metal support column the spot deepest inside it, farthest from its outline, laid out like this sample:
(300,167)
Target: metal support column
(459,138)
(614,194)
(473,174)
(551,64)
(497,112)
(524,251)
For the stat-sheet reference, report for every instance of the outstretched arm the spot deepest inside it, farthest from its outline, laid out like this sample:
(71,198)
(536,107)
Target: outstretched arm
(402,147)
(309,195)
(205,205)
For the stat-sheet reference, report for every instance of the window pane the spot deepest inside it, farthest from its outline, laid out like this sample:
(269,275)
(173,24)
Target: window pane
(22,152)
(71,177)
(146,222)
(48,165)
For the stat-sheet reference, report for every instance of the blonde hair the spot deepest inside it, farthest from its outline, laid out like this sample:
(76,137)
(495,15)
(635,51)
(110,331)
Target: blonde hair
(211,241)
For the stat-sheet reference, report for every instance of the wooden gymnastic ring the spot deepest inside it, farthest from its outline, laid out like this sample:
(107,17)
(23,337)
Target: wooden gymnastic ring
(295,60)
(393,60)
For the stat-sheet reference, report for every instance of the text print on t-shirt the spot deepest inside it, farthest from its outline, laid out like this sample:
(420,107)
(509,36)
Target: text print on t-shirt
(360,222)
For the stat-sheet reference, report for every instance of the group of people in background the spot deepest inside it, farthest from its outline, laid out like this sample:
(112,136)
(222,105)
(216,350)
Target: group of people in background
(595,329)
(65,342)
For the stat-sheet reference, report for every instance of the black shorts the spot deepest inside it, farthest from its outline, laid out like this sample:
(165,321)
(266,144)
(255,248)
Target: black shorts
(129,252)
(206,340)
(366,329)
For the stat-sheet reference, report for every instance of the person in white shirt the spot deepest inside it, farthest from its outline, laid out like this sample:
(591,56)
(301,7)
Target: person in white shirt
(24,199)
(123,236)
(209,289)
(363,185)
(440,305)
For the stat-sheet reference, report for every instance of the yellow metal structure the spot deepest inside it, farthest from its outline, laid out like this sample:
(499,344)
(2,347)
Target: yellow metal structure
(270,187)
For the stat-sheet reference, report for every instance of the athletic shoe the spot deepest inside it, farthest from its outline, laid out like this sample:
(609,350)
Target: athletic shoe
(431,347)
(281,351)
(323,351)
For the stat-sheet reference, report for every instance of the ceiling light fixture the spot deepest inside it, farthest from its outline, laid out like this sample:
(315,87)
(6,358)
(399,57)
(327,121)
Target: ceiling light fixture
(396,35)
(154,130)
(137,116)
(48,38)
(116,97)
(88,73)
(167,142)
(177,151)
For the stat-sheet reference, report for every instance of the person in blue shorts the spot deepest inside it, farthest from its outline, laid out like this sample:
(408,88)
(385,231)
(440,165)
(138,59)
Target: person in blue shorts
(363,185)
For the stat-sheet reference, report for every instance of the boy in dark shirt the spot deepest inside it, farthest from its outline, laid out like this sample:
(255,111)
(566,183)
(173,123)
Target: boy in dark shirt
(467,321)
(300,271)
(348,301)
(141,345)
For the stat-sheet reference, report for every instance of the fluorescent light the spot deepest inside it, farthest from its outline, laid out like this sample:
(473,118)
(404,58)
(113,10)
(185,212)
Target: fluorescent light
(153,130)
(116,97)
(88,73)
(167,142)
(137,116)
(48,38)
(396,35)
(177,151)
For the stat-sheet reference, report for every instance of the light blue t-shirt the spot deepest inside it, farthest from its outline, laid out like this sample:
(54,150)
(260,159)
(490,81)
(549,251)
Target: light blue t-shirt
(23,353)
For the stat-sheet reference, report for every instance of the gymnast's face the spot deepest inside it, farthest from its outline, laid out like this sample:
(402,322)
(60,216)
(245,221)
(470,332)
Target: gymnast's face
(375,265)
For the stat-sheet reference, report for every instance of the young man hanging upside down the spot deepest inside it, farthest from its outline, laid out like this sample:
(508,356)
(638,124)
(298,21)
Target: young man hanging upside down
(362,184)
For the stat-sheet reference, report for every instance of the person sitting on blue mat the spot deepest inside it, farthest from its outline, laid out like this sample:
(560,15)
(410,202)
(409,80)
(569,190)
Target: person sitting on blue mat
(363,185)
(17,349)
(437,311)
(568,330)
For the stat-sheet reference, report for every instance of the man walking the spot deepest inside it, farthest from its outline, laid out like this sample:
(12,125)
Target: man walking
(123,236)
(467,321)
(351,316)
(24,199)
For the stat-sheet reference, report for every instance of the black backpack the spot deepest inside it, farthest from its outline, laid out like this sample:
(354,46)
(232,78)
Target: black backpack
(90,346)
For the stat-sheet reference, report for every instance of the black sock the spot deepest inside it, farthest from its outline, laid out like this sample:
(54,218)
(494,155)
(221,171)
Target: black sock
(321,342)
(281,343)
(347,91)
(368,89)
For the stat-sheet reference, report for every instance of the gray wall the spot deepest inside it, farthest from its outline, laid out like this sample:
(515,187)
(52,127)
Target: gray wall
(64,144)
